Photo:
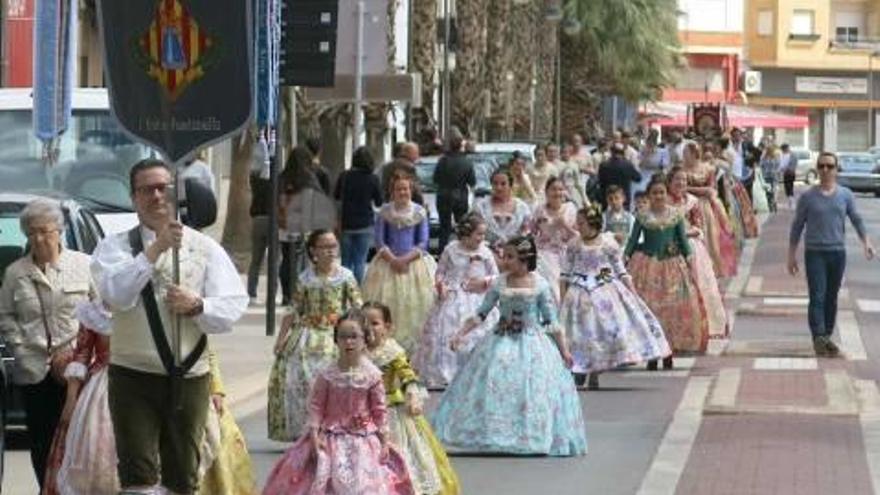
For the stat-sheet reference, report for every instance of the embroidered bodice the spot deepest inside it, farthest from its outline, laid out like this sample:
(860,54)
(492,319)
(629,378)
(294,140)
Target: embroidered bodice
(397,373)
(503,226)
(619,222)
(348,401)
(665,236)
(320,301)
(702,176)
(551,235)
(458,265)
(590,265)
(401,231)
(522,309)
(687,207)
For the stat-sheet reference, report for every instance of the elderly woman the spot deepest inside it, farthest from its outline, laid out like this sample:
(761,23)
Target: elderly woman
(38,298)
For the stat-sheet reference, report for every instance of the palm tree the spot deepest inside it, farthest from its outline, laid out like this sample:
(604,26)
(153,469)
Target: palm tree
(468,79)
(626,47)
(498,57)
(424,56)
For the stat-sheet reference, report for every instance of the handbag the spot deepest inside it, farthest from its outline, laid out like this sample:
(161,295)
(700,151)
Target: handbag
(60,357)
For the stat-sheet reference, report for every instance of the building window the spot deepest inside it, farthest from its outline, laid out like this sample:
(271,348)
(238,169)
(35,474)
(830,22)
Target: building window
(846,34)
(802,23)
(765,23)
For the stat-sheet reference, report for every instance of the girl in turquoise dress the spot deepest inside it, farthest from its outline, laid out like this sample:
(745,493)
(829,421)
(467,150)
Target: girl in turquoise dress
(515,394)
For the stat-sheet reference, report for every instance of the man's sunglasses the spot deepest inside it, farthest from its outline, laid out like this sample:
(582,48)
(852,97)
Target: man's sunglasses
(826,166)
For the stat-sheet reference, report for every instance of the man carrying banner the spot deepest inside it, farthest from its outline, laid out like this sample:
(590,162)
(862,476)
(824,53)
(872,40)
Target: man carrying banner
(157,402)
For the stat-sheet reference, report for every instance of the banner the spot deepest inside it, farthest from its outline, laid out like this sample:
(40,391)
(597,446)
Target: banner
(179,72)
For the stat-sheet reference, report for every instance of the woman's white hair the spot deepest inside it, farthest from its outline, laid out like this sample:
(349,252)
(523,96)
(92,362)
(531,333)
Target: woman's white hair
(41,209)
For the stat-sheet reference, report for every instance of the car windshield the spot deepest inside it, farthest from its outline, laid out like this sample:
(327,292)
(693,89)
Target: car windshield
(859,163)
(93,163)
(483,168)
(425,173)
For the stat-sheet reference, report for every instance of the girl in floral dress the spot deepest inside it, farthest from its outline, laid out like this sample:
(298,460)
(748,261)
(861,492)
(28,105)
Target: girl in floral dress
(514,394)
(466,271)
(409,431)
(401,274)
(346,449)
(704,273)
(716,225)
(735,196)
(553,228)
(660,267)
(305,341)
(607,323)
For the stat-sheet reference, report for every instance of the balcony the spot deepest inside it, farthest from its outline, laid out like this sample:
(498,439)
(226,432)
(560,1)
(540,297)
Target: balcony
(859,43)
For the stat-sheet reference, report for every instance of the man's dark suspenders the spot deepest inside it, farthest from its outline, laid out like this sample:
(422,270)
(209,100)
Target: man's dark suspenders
(157,329)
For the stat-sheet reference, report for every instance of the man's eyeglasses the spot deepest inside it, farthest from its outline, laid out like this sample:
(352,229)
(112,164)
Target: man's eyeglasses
(34,233)
(326,247)
(150,189)
(826,166)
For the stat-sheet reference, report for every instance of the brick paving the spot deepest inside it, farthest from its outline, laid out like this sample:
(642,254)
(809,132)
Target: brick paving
(774,388)
(777,454)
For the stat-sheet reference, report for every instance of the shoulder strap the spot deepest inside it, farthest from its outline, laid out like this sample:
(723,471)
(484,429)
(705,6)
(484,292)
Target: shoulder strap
(157,329)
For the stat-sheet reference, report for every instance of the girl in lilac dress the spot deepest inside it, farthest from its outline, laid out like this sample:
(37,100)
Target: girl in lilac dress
(607,323)
(553,228)
(401,274)
(346,450)
(466,271)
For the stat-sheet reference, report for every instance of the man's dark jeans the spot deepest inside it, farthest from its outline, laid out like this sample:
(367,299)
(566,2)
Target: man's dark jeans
(449,206)
(824,276)
(355,248)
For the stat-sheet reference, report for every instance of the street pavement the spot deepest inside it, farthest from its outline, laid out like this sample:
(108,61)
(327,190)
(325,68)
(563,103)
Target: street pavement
(759,414)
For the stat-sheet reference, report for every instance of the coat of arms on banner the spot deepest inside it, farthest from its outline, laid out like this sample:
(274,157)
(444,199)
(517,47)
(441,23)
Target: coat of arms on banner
(179,71)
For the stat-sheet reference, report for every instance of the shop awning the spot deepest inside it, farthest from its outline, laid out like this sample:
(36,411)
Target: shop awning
(675,114)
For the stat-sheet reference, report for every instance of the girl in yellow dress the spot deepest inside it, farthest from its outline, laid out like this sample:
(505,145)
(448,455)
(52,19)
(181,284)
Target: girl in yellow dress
(429,468)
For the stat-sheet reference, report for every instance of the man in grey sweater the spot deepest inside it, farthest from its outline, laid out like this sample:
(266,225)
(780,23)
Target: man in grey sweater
(823,211)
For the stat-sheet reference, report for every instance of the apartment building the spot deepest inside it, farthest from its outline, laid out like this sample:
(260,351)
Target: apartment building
(818,57)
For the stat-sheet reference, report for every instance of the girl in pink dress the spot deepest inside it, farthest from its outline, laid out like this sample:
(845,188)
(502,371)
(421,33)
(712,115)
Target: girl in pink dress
(553,225)
(346,450)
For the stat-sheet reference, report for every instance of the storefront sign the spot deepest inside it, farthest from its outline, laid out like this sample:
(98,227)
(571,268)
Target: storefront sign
(832,85)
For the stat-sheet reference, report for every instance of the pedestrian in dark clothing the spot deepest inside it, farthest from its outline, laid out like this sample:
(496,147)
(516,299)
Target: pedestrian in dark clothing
(261,204)
(618,171)
(359,191)
(823,210)
(453,175)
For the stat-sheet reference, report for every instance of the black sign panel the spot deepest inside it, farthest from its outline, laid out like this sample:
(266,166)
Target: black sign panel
(179,72)
(308,42)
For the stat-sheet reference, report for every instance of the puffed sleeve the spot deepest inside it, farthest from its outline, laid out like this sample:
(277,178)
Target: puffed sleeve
(422,235)
(681,238)
(489,301)
(445,263)
(615,258)
(547,308)
(377,405)
(85,349)
(633,238)
(318,402)
(354,297)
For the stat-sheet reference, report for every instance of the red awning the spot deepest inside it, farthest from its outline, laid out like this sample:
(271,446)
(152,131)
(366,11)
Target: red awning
(675,114)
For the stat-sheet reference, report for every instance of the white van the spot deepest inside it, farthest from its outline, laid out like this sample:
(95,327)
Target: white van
(94,160)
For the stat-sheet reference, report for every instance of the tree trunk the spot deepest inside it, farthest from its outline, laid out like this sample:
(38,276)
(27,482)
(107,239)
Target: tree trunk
(522,42)
(237,230)
(545,92)
(424,57)
(497,67)
(468,80)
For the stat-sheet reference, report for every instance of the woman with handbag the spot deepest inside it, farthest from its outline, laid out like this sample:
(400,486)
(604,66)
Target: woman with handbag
(38,299)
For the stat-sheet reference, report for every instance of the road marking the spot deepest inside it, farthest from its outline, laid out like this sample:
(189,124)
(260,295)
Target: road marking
(869,399)
(675,448)
(869,305)
(785,363)
(850,337)
(786,301)
(726,388)
(771,348)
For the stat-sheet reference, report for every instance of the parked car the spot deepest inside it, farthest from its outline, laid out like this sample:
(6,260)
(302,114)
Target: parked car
(484,166)
(82,233)
(859,172)
(806,165)
(503,151)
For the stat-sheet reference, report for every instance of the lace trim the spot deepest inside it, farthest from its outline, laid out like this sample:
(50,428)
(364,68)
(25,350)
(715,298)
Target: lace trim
(339,275)
(93,315)
(410,217)
(364,375)
(651,220)
(459,251)
(387,352)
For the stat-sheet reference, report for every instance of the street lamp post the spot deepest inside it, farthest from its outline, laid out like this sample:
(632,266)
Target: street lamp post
(871,119)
